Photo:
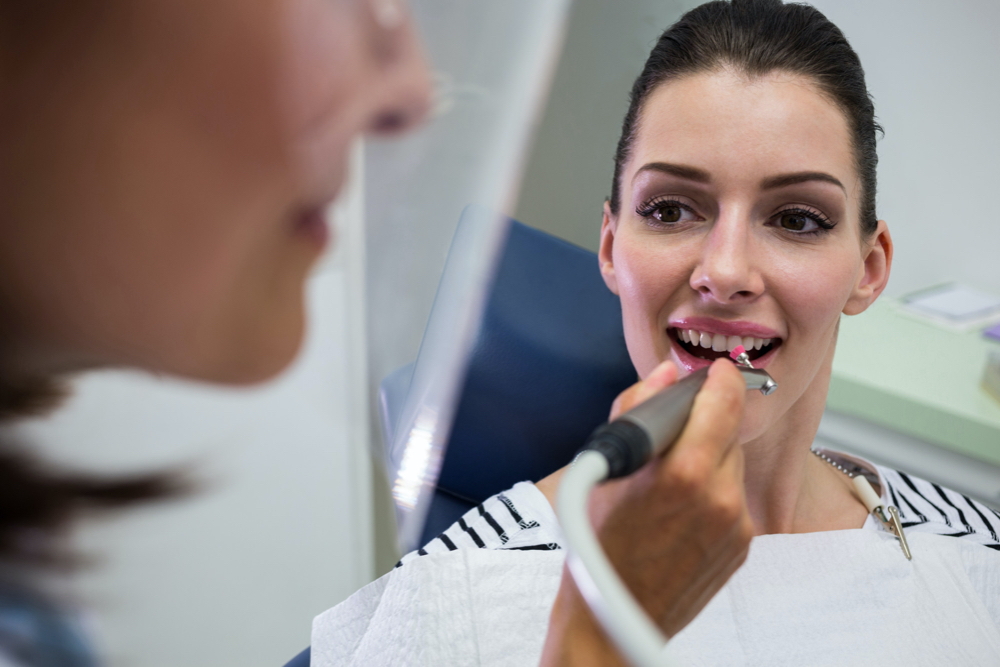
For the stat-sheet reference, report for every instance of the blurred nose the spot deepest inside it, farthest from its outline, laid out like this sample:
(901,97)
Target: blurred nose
(726,272)
(405,80)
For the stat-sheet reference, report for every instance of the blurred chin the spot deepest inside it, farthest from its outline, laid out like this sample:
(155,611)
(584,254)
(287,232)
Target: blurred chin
(260,367)
(255,331)
(256,353)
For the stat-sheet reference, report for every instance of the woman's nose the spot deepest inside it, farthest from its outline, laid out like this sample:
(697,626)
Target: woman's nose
(726,272)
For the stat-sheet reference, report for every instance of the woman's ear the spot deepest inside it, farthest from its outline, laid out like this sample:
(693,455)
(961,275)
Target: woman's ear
(605,256)
(874,272)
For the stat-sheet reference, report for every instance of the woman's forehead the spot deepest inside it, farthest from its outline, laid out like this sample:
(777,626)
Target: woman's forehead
(744,131)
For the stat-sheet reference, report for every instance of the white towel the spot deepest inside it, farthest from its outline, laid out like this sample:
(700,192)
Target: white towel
(467,607)
(832,598)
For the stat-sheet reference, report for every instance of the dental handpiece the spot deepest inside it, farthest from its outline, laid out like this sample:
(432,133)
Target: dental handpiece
(651,427)
(617,449)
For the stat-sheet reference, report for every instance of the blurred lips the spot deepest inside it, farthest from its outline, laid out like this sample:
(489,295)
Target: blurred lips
(311,225)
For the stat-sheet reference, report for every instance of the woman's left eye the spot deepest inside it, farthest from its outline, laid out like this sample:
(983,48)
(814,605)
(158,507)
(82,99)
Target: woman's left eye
(799,221)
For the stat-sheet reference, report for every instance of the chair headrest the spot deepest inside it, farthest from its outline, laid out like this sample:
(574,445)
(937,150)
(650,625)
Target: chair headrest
(549,360)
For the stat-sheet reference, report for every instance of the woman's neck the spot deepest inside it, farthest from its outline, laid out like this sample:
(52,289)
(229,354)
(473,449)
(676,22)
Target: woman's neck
(790,490)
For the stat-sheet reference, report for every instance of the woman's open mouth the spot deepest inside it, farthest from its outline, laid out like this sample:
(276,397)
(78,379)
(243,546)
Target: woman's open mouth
(708,346)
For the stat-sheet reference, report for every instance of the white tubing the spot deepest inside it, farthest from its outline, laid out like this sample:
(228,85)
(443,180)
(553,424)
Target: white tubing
(635,635)
(866,492)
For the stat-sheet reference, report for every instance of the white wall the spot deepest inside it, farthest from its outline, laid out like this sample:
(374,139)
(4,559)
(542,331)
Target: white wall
(934,71)
(932,67)
(570,168)
(281,530)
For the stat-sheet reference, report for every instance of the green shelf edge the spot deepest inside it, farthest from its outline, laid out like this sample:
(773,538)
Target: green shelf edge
(922,421)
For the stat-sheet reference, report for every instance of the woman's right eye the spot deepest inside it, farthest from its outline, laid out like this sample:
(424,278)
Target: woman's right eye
(667,211)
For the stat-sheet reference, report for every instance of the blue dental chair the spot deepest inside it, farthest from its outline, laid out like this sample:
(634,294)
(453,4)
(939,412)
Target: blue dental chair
(549,360)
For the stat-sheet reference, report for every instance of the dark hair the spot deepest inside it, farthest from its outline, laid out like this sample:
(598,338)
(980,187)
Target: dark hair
(755,38)
(36,500)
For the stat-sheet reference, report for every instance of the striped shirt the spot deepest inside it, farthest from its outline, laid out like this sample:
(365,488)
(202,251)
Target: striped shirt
(522,519)
(519,519)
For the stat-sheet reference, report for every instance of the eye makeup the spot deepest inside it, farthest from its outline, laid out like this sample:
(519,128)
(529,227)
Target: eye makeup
(666,211)
(801,221)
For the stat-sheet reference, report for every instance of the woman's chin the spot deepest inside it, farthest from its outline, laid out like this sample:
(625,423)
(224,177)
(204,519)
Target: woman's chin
(259,370)
(755,419)
(258,353)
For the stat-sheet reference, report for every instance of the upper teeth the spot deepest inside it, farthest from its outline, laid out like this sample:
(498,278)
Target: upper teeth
(720,343)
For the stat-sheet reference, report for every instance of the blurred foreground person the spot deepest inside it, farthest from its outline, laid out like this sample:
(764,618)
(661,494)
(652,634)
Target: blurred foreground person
(165,166)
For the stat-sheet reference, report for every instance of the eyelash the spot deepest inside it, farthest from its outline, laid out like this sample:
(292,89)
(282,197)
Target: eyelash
(824,223)
(651,206)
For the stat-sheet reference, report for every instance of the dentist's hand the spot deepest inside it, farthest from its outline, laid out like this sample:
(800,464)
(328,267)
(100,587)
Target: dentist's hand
(676,530)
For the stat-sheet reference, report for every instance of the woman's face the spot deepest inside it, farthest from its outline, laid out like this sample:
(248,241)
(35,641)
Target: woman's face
(164,169)
(739,224)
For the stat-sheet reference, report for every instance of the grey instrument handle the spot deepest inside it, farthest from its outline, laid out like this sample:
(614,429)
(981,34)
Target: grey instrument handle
(652,426)
(664,415)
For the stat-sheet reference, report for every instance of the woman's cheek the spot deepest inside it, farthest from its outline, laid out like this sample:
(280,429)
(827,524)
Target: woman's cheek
(649,278)
(812,290)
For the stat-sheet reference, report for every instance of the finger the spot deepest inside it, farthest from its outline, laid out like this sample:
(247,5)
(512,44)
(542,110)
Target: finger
(716,414)
(659,379)
(732,466)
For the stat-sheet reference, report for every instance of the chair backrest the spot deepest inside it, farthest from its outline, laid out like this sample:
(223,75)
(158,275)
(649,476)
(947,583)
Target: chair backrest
(549,359)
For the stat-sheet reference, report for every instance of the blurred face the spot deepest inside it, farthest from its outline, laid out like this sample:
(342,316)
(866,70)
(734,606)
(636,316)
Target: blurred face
(165,166)
(739,225)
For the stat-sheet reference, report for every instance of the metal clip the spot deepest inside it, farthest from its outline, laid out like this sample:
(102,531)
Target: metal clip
(878,509)
(893,525)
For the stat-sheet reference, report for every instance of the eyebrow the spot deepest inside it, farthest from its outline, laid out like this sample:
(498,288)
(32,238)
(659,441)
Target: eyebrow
(783,180)
(774,182)
(678,170)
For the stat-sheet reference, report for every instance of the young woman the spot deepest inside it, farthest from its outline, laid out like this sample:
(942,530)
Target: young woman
(742,212)
(164,168)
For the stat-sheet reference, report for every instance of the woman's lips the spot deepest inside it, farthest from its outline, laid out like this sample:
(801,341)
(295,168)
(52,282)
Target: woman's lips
(311,224)
(726,328)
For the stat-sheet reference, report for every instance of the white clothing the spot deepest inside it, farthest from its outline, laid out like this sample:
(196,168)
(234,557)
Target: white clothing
(482,594)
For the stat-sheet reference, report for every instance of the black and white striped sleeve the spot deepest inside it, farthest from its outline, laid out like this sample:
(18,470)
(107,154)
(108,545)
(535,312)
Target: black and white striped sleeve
(519,519)
(931,508)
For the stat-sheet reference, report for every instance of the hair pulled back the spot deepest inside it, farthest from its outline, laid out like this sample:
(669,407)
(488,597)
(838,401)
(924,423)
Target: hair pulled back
(755,38)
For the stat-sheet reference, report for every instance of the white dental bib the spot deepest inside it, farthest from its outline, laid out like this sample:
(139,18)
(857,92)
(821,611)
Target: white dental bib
(850,597)
(830,598)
